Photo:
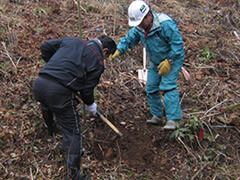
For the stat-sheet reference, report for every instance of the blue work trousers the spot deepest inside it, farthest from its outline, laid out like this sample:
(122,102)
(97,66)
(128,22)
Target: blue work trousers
(167,84)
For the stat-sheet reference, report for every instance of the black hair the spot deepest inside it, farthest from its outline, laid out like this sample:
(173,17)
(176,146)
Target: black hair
(109,43)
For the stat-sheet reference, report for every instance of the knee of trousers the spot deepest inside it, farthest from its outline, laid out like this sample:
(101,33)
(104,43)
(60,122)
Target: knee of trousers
(166,91)
(151,91)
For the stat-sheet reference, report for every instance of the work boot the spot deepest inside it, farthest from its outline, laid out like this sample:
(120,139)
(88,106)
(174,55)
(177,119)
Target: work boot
(171,125)
(73,168)
(155,121)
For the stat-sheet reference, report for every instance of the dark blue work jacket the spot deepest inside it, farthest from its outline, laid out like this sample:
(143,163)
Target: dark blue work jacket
(75,63)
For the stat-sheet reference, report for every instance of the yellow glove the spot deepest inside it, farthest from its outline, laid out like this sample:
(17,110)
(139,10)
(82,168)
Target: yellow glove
(113,56)
(164,68)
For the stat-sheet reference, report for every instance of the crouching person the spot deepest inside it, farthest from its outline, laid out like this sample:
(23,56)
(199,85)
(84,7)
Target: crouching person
(73,65)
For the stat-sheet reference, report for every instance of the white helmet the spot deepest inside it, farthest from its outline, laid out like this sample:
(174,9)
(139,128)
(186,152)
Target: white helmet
(137,10)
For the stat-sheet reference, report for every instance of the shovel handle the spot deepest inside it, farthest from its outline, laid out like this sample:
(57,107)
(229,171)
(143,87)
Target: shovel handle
(144,57)
(109,123)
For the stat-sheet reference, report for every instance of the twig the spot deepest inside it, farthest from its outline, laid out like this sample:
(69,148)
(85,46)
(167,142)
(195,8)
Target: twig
(209,129)
(237,129)
(37,167)
(236,34)
(101,149)
(109,89)
(199,171)
(75,1)
(210,115)
(182,97)
(235,56)
(119,152)
(198,112)
(204,89)
(115,15)
(238,156)
(215,106)
(6,171)
(6,52)
(31,176)
(225,126)
(187,148)
(196,137)
(18,60)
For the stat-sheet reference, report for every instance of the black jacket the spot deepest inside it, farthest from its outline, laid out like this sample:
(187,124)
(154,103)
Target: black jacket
(75,63)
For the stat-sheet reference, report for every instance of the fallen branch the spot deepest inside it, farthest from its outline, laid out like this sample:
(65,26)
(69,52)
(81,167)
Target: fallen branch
(236,34)
(210,115)
(182,97)
(38,169)
(6,171)
(187,148)
(31,175)
(6,52)
(215,106)
(119,152)
(199,171)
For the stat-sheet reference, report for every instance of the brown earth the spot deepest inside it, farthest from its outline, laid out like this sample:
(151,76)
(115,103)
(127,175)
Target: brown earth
(211,101)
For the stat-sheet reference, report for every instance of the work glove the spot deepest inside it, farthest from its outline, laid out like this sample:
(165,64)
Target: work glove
(164,68)
(113,56)
(92,108)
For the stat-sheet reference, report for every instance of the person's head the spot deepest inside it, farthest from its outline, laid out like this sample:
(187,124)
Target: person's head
(139,14)
(109,45)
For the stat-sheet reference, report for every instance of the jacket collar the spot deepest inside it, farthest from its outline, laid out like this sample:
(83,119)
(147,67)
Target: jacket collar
(98,42)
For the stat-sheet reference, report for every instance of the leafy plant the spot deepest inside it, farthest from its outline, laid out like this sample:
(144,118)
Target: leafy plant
(41,10)
(129,174)
(206,55)
(189,129)
(179,132)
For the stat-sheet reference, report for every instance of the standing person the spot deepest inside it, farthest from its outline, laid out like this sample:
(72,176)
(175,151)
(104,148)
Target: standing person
(160,36)
(72,65)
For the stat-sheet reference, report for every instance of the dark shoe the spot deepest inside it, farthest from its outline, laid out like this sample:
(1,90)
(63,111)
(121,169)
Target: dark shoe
(171,125)
(77,178)
(155,121)
(73,167)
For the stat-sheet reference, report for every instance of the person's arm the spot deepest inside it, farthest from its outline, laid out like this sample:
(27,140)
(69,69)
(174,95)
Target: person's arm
(174,38)
(126,42)
(48,48)
(91,81)
(87,95)
(129,41)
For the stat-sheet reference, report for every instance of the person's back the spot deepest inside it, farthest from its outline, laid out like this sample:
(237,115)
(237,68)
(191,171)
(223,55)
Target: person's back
(73,60)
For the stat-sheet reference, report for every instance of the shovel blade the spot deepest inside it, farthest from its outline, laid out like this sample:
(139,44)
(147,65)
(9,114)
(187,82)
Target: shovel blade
(142,75)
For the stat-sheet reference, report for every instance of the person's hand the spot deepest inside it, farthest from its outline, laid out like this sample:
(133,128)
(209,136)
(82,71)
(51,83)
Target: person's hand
(113,56)
(164,68)
(92,108)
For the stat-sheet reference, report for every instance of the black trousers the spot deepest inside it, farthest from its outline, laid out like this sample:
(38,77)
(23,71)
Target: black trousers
(60,101)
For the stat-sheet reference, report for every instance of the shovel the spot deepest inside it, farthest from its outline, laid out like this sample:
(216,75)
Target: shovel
(142,73)
(104,119)
(109,123)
